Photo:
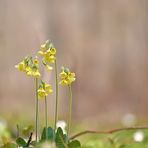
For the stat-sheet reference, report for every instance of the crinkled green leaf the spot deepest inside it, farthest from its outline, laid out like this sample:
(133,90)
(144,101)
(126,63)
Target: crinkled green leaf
(21,142)
(50,134)
(60,139)
(74,144)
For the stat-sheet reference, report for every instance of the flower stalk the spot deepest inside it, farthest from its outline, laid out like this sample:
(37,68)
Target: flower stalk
(46,118)
(70,110)
(37,111)
(56,104)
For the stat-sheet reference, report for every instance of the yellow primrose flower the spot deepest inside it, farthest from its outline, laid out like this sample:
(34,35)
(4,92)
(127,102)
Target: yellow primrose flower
(29,66)
(49,68)
(41,93)
(43,47)
(20,66)
(36,74)
(48,89)
(66,77)
(48,52)
(44,90)
(36,61)
(63,74)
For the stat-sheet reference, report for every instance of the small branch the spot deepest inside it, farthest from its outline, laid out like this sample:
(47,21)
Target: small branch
(108,132)
(29,140)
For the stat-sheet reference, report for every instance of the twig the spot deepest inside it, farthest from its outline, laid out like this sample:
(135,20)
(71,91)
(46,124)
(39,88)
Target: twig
(29,140)
(108,132)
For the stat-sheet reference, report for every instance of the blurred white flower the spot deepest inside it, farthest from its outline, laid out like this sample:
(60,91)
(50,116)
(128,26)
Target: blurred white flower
(138,136)
(129,120)
(62,124)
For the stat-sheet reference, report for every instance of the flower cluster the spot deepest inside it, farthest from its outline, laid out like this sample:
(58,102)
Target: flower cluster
(44,90)
(29,66)
(66,76)
(48,52)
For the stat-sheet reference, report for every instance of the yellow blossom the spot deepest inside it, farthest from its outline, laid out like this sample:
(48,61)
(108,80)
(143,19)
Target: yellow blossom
(48,53)
(29,66)
(48,89)
(41,93)
(44,90)
(49,68)
(20,66)
(66,77)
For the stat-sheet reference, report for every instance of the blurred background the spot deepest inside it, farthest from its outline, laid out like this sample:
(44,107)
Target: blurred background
(105,42)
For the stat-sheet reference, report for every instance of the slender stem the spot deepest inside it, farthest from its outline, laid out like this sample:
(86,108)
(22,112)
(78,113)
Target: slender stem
(18,131)
(56,104)
(37,111)
(70,110)
(29,140)
(109,131)
(46,118)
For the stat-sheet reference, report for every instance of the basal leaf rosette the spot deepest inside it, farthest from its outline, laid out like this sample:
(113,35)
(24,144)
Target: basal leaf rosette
(29,66)
(48,54)
(66,76)
(44,90)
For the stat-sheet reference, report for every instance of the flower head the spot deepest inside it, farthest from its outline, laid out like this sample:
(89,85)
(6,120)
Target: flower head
(66,76)
(44,90)
(29,66)
(48,53)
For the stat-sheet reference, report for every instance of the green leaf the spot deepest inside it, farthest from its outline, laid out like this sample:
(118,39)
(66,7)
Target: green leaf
(60,139)
(74,144)
(50,134)
(21,142)
(10,145)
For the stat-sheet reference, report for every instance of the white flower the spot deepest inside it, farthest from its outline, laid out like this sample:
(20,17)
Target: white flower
(138,136)
(62,124)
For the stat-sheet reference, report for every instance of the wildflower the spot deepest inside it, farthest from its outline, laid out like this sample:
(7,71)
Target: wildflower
(62,124)
(66,76)
(44,90)
(138,136)
(20,66)
(29,66)
(48,53)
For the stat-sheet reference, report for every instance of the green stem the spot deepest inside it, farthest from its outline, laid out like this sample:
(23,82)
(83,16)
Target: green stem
(37,112)
(70,110)
(46,118)
(56,104)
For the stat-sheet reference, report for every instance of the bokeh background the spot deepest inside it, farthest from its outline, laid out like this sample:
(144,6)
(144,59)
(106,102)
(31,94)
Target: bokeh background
(105,42)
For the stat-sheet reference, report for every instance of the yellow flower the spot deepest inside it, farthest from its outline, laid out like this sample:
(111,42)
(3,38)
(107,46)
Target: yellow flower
(40,53)
(44,90)
(43,47)
(53,51)
(48,89)
(49,68)
(29,66)
(48,53)
(66,77)
(63,74)
(36,74)
(41,93)
(20,66)
(36,61)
